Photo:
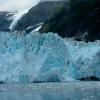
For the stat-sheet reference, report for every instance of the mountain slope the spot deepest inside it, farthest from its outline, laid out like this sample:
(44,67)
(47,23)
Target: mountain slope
(5,20)
(81,20)
(38,14)
(19,21)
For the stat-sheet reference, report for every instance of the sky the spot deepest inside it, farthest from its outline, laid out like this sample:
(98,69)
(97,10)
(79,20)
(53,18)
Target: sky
(14,5)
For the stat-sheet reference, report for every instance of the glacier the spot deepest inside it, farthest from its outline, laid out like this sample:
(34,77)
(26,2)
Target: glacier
(16,17)
(44,57)
(85,57)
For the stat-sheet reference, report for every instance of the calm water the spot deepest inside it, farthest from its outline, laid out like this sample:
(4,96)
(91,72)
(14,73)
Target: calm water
(51,91)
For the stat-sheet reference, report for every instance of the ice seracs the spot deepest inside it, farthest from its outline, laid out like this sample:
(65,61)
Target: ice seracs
(85,57)
(46,58)
(33,57)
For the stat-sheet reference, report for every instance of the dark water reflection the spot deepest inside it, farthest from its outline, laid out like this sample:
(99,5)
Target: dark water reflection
(51,91)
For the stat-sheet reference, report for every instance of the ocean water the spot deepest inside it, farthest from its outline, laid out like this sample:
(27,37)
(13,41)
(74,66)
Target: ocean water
(51,91)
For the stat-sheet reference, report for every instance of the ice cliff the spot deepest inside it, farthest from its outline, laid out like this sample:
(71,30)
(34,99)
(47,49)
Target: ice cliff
(46,57)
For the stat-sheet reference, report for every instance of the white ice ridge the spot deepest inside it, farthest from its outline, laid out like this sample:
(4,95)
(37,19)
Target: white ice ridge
(47,57)
(16,17)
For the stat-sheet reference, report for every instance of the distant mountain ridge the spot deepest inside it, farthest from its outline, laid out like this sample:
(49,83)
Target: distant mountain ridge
(52,0)
(37,14)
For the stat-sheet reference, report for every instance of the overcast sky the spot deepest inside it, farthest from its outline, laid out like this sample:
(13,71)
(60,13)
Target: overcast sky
(13,5)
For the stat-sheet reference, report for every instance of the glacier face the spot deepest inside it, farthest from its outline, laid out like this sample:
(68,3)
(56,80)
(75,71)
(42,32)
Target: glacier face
(46,57)
(33,57)
(86,58)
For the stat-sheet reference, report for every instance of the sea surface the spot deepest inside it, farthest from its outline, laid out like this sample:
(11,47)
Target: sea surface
(51,91)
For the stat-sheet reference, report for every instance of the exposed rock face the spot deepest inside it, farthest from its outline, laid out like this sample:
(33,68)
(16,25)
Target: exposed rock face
(80,20)
(37,14)
(5,21)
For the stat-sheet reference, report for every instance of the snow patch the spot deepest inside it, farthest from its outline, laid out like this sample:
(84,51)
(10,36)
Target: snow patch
(37,29)
(16,18)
